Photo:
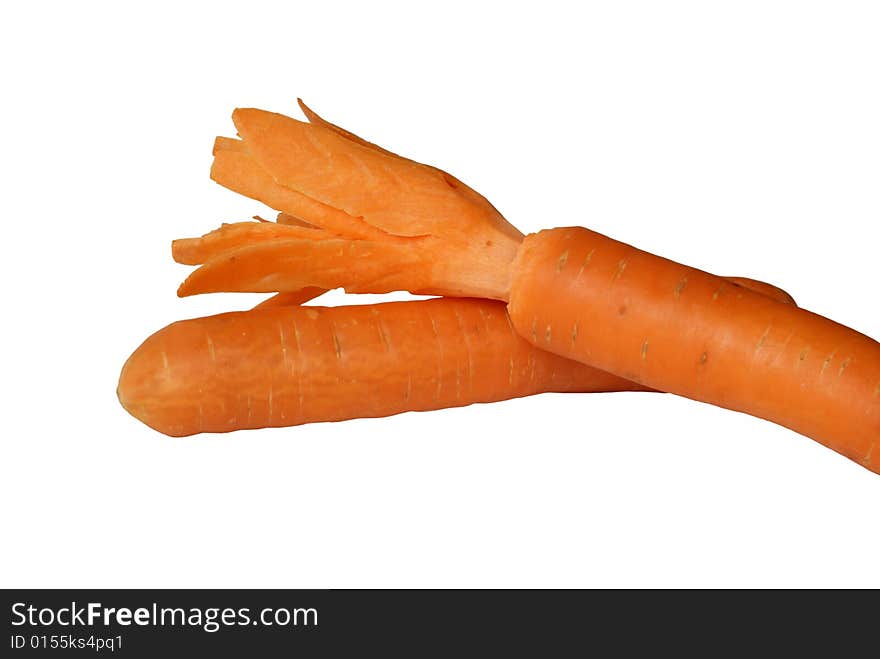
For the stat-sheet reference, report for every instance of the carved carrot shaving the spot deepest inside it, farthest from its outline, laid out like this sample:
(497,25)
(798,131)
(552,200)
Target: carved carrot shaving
(193,251)
(402,225)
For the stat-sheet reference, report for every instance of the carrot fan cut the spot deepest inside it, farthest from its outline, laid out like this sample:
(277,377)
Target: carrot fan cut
(351,215)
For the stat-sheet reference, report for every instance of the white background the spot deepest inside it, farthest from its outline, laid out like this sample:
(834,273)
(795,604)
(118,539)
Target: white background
(740,137)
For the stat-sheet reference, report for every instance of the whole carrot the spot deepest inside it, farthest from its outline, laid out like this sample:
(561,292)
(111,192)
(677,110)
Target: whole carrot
(399,225)
(289,365)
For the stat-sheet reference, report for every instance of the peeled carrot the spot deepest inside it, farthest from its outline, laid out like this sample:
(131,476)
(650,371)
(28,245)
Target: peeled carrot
(570,290)
(288,365)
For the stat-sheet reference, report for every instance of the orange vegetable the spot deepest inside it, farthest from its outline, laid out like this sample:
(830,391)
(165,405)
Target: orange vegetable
(192,251)
(403,225)
(288,365)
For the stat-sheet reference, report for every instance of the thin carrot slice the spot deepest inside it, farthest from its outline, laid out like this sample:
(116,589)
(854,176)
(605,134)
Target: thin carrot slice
(314,118)
(291,265)
(291,298)
(239,171)
(193,251)
(466,191)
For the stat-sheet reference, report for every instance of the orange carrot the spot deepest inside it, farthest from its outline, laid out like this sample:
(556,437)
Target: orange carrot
(689,332)
(285,366)
(572,291)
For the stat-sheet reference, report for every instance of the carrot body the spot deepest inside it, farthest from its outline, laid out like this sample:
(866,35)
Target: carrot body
(580,294)
(286,366)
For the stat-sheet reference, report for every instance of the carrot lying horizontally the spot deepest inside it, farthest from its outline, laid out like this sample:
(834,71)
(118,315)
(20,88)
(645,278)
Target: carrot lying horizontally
(402,225)
(290,365)
(284,365)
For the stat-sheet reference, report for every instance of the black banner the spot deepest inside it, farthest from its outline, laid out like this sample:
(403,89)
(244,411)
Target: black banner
(106,623)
